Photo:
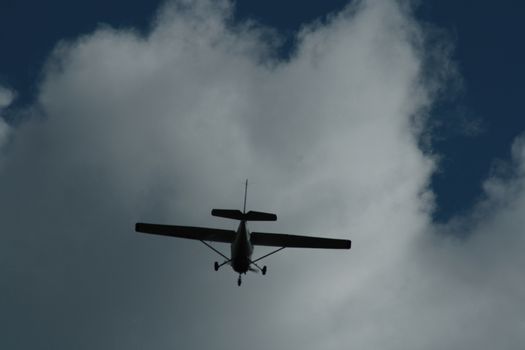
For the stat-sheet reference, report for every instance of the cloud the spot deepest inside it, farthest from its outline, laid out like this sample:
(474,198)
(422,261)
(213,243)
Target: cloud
(165,126)
(6,97)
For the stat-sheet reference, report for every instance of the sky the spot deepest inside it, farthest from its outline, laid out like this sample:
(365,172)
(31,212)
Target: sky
(395,124)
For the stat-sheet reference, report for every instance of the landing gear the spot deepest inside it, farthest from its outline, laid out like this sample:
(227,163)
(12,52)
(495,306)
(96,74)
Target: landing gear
(239,281)
(263,269)
(216,266)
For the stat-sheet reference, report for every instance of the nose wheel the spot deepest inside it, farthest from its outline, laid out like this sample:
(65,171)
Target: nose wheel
(239,281)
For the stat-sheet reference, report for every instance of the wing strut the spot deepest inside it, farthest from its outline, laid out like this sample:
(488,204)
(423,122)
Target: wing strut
(263,269)
(267,255)
(215,250)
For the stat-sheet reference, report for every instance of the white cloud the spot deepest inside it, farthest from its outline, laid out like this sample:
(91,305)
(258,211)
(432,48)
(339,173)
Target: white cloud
(164,127)
(6,97)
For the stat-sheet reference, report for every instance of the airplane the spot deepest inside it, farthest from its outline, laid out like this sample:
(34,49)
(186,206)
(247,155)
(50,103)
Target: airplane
(242,241)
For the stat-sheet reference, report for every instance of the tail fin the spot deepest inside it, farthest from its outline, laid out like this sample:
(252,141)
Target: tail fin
(245,194)
(249,216)
(246,216)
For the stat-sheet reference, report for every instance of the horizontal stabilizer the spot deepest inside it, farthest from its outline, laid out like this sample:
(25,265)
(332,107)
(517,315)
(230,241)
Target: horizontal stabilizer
(238,215)
(259,216)
(228,213)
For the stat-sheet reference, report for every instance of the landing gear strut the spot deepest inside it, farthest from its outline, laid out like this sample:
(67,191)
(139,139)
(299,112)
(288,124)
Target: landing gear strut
(262,269)
(217,266)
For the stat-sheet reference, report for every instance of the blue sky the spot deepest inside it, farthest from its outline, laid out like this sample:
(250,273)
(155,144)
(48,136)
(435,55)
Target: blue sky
(489,58)
(485,40)
(396,125)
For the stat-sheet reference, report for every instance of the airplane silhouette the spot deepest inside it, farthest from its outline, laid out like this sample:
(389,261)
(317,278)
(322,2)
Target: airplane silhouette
(242,241)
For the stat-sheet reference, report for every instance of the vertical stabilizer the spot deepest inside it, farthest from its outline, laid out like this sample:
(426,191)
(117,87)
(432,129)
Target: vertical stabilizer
(246,216)
(245,194)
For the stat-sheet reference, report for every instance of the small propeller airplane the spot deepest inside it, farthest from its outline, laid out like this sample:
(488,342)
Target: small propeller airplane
(242,241)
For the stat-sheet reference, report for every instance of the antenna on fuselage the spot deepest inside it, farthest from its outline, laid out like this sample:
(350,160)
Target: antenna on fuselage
(245,193)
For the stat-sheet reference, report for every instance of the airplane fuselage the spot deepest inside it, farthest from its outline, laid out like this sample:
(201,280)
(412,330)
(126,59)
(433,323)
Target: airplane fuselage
(241,249)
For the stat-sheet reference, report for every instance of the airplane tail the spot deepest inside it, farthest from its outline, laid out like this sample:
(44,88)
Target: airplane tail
(243,215)
(249,216)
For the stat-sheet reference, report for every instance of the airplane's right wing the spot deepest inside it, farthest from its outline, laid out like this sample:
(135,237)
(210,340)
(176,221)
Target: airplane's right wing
(189,232)
(295,241)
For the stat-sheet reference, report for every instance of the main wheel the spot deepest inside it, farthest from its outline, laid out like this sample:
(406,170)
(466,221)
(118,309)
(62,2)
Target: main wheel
(216,266)
(264,270)
(239,281)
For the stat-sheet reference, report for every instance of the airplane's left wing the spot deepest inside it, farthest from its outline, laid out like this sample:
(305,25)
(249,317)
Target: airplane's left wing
(295,241)
(188,232)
